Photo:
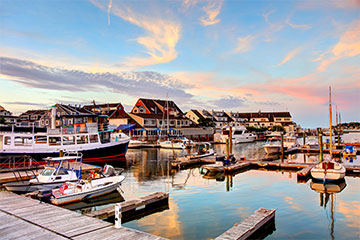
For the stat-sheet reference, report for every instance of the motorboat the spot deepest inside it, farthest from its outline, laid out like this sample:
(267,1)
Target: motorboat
(328,171)
(96,146)
(312,142)
(201,150)
(135,144)
(85,189)
(272,145)
(177,143)
(349,151)
(290,142)
(57,171)
(238,135)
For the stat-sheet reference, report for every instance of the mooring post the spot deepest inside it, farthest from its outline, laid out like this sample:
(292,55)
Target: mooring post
(304,139)
(321,147)
(282,145)
(118,215)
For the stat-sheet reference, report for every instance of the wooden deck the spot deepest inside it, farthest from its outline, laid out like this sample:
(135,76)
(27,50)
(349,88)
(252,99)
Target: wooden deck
(182,163)
(249,226)
(25,218)
(132,205)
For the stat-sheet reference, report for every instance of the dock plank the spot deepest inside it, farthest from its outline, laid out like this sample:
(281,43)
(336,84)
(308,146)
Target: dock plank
(249,226)
(35,220)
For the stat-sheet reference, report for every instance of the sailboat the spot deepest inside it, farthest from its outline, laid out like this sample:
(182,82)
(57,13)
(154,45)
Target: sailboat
(328,170)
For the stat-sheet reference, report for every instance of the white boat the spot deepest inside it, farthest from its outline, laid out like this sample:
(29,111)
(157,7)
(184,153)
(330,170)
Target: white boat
(200,150)
(135,144)
(290,142)
(57,171)
(94,145)
(85,189)
(272,145)
(238,135)
(312,142)
(178,143)
(328,171)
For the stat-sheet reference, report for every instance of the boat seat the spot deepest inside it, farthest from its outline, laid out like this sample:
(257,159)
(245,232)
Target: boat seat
(328,165)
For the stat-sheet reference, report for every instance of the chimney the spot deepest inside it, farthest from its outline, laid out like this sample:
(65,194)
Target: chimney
(53,117)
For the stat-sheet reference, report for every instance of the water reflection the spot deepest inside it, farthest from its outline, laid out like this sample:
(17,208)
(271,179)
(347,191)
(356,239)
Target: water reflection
(327,191)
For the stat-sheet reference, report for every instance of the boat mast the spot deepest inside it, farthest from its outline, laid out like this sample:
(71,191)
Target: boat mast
(330,121)
(167,113)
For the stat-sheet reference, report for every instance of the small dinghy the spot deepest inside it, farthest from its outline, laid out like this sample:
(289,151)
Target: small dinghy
(85,189)
(328,171)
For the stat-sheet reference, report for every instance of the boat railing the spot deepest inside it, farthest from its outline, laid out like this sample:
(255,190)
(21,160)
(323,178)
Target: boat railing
(17,163)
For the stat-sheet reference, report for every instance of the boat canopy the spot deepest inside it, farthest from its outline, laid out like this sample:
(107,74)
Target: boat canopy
(126,127)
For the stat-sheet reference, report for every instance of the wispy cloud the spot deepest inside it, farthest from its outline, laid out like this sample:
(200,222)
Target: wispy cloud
(146,83)
(228,102)
(244,44)
(161,36)
(352,5)
(109,10)
(347,46)
(289,56)
(212,10)
(297,26)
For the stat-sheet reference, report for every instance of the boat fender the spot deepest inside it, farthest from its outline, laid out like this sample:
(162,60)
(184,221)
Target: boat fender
(92,174)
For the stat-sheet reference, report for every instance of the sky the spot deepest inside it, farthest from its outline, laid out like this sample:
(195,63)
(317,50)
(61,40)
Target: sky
(239,55)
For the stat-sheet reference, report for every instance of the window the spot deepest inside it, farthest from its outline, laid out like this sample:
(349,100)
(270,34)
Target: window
(46,122)
(81,139)
(178,122)
(172,122)
(23,141)
(68,140)
(7,140)
(47,171)
(94,138)
(40,139)
(54,141)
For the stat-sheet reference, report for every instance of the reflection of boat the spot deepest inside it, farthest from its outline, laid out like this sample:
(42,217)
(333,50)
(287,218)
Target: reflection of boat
(73,192)
(57,171)
(272,145)
(312,142)
(113,197)
(175,144)
(219,176)
(329,190)
(212,169)
(239,135)
(328,171)
(328,187)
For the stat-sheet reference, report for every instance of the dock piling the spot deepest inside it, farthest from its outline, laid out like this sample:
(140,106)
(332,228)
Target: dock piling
(118,215)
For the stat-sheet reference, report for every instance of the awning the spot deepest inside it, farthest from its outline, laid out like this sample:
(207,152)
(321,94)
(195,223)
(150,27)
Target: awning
(171,129)
(142,129)
(126,127)
(157,129)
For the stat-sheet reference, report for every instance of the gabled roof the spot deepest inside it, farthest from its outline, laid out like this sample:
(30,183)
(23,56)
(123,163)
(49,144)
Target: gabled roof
(197,113)
(156,106)
(159,116)
(75,110)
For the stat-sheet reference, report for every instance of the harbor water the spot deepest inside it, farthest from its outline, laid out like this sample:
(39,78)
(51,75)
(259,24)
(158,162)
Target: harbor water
(202,208)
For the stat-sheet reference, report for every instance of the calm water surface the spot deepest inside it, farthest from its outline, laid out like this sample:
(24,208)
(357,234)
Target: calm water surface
(205,208)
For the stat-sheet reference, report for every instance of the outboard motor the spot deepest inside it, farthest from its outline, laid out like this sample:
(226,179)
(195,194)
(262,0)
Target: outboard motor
(109,170)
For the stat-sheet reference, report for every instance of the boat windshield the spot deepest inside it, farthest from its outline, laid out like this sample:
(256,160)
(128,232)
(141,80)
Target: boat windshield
(47,171)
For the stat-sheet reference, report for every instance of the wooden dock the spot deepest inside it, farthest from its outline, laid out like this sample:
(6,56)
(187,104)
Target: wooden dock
(28,174)
(26,218)
(249,226)
(131,206)
(182,163)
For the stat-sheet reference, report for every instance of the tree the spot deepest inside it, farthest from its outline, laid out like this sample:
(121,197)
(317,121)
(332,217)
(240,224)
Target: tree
(277,129)
(206,122)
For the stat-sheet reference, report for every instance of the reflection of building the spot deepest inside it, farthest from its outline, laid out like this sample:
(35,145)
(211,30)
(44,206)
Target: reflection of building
(7,116)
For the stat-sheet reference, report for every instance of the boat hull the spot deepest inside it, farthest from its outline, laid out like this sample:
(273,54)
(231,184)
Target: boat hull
(26,187)
(320,173)
(99,154)
(272,149)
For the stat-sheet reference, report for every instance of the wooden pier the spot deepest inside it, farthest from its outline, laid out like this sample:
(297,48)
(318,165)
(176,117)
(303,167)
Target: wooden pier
(131,206)
(26,218)
(182,163)
(249,226)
